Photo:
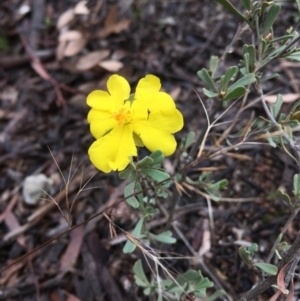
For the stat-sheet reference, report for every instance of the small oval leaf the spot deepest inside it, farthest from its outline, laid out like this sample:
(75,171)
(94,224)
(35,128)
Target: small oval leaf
(267,268)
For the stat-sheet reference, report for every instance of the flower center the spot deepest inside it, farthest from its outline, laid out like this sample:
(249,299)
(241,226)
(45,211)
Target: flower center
(123,116)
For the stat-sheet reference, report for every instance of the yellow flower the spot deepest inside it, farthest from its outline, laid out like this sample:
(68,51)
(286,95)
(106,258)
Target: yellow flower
(121,122)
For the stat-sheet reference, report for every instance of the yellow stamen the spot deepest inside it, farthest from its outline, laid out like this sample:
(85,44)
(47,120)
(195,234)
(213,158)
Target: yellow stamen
(123,116)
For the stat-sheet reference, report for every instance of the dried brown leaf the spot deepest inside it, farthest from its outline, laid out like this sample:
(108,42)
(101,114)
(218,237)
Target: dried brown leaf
(111,17)
(81,9)
(275,296)
(12,223)
(111,65)
(70,35)
(65,18)
(91,59)
(115,28)
(74,47)
(290,296)
(280,279)
(290,97)
(69,257)
(206,243)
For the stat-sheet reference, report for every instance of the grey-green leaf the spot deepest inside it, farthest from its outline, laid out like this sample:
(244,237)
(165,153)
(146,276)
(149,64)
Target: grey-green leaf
(296,185)
(206,78)
(124,174)
(275,108)
(236,93)
(232,9)
(209,94)
(129,246)
(165,237)
(270,140)
(271,17)
(157,157)
(244,81)
(131,200)
(229,75)
(146,161)
(247,4)
(213,64)
(155,174)
(139,274)
(189,139)
(295,56)
(284,197)
(249,50)
(298,5)
(267,268)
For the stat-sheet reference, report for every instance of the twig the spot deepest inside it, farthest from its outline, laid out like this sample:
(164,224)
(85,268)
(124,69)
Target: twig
(279,54)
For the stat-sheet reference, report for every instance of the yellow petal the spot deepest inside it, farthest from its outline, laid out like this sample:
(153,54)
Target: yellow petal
(118,87)
(113,151)
(119,91)
(156,139)
(165,120)
(147,94)
(101,122)
(100,100)
(150,83)
(156,131)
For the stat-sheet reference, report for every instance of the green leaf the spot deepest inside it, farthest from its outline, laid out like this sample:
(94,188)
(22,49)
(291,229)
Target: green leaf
(236,93)
(156,175)
(139,196)
(229,75)
(129,246)
(139,275)
(124,174)
(157,157)
(246,255)
(150,211)
(270,140)
(145,162)
(282,39)
(247,4)
(253,248)
(295,105)
(274,75)
(216,295)
(244,81)
(298,5)
(295,56)
(206,78)
(271,17)
(296,185)
(251,57)
(232,9)
(267,268)
(273,53)
(213,64)
(275,108)
(246,62)
(189,139)
(131,200)
(165,237)
(210,94)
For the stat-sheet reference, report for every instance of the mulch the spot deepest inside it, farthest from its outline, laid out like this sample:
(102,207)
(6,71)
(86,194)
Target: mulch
(52,54)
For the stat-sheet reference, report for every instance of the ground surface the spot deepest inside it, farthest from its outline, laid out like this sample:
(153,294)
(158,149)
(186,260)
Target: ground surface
(53,53)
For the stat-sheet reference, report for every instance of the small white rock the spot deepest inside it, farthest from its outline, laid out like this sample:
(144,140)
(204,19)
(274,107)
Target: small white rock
(34,188)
